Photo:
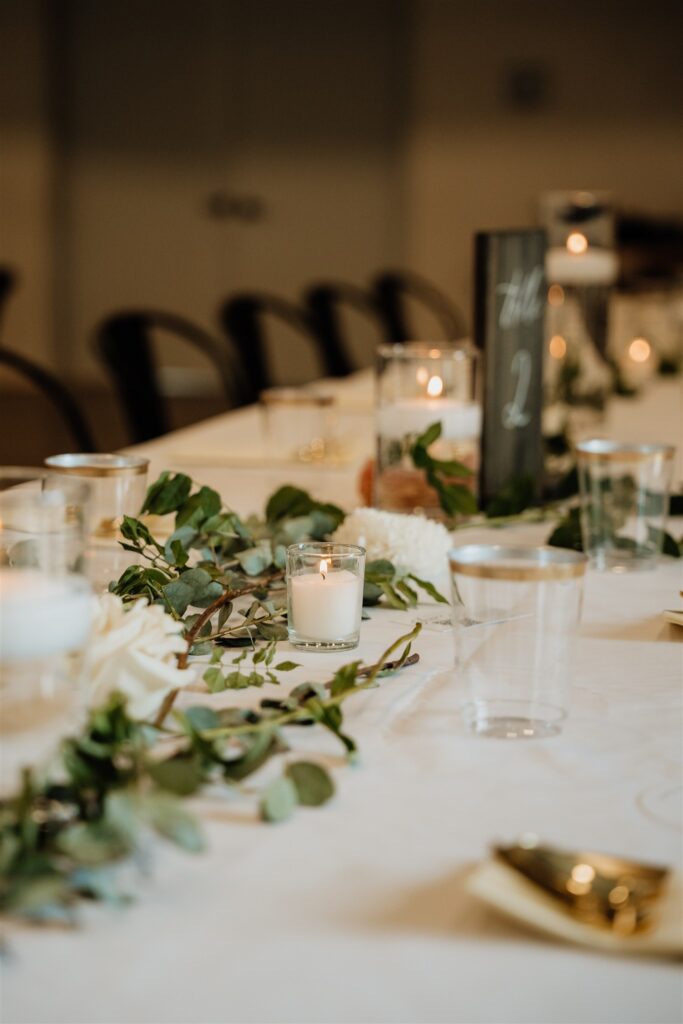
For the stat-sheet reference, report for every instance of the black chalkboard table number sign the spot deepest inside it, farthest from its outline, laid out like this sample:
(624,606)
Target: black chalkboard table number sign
(509,308)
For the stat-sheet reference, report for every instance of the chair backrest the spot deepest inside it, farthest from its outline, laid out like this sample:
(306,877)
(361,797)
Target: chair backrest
(56,393)
(243,319)
(324,301)
(391,289)
(8,282)
(124,343)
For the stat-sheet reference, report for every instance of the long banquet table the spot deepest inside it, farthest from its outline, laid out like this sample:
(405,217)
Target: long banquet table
(358,911)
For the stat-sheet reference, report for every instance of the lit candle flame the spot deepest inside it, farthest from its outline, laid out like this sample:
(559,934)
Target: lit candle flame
(639,350)
(556,295)
(434,387)
(323,567)
(557,347)
(577,243)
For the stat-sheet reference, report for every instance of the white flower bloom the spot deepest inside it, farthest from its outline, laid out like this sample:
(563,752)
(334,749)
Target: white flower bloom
(133,649)
(413,543)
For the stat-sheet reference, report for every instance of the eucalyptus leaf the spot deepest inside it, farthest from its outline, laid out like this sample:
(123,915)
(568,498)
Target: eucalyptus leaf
(167,494)
(279,800)
(254,561)
(166,815)
(181,775)
(312,782)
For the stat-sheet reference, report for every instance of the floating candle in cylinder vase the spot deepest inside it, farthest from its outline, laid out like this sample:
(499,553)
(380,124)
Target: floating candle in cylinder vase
(46,605)
(418,385)
(41,615)
(324,595)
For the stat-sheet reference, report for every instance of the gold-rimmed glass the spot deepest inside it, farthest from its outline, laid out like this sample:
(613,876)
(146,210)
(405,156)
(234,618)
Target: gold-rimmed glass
(624,502)
(515,614)
(117,485)
(298,423)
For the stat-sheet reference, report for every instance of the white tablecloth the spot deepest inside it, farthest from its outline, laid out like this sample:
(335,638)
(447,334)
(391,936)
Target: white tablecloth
(357,911)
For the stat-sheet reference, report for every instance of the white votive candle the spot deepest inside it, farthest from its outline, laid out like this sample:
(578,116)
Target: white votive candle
(459,420)
(42,615)
(591,267)
(326,605)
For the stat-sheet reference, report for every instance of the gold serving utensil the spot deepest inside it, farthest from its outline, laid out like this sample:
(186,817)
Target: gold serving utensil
(596,888)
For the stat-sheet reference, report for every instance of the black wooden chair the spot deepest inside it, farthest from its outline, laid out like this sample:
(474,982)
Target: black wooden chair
(392,290)
(57,394)
(325,302)
(124,343)
(244,320)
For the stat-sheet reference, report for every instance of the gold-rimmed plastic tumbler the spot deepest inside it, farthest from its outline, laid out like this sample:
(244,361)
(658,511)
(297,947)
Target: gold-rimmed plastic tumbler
(624,502)
(515,614)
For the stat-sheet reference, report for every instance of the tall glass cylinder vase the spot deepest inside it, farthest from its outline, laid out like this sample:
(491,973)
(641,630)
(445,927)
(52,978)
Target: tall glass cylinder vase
(581,268)
(420,384)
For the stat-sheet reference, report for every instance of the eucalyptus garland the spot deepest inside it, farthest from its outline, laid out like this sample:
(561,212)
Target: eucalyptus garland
(107,788)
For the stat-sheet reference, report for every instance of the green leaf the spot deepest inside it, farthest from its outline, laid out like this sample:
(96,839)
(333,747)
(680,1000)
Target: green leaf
(344,678)
(394,599)
(279,800)
(224,614)
(214,679)
(258,749)
(178,544)
(195,588)
(429,588)
(92,843)
(10,845)
(287,666)
(254,561)
(313,784)
(289,502)
(167,494)
(181,775)
(567,534)
(167,816)
(380,570)
(33,895)
(430,435)
(272,630)
(407,592)
(199,508)
(371,594)
(199,718)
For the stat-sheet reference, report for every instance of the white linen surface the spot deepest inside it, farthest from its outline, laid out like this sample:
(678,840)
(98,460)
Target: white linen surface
(357,911)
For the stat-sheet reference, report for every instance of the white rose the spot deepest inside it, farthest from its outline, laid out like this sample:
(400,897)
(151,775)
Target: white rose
(133,649)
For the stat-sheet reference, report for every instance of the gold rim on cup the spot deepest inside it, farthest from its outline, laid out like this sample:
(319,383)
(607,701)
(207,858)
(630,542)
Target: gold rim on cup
(457,349)
(294,396)
(496,562)
(95,464)
(600,449)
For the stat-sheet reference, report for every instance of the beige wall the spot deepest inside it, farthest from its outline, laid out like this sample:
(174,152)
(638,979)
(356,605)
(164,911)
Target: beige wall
(26,176)
(377,132)
(612,119)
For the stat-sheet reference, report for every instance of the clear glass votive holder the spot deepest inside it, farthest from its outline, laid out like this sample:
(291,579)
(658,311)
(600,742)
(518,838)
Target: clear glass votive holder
(118,484)
(624,502)
(298,423)
(515,615)
(418,384)
(43,520)
(324,595)
(45,609)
